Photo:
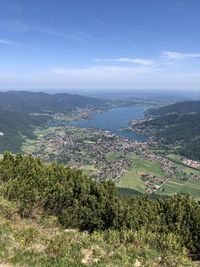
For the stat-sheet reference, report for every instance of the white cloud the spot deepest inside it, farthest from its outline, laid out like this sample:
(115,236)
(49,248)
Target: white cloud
(178,55)
(139,61)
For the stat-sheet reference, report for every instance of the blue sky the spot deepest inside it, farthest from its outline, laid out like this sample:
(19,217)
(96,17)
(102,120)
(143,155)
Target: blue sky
(94,44)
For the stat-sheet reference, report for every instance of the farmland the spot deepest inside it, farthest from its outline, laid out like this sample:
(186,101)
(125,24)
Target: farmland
(175,186)
(132,178)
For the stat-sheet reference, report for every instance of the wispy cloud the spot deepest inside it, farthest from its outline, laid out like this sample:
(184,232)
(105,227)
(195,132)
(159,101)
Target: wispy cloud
(8,42)
(134,45)
(139,61)
(80,37)
(103,24)
(14,44)
(76,36)
(13,25)
(11,5)
(178,55)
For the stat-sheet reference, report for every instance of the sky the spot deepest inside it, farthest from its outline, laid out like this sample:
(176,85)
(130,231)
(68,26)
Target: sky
(100,44)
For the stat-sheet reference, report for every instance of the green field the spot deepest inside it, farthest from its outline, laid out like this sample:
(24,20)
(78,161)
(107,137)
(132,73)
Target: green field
(174,157)
(29,146)
(131,179)
(88,142)
(87,169)
(175,186)
(113,155)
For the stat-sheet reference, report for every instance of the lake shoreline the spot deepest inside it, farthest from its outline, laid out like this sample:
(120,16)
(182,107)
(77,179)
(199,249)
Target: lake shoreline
(112,120)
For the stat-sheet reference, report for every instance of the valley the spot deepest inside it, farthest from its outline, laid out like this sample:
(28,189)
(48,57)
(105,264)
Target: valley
(106,139)
(139,165)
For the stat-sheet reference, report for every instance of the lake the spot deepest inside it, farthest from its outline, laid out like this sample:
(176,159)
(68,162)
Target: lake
(113,120)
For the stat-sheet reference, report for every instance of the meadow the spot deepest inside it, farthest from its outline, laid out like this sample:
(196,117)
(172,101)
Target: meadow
(175,186)
(132,178)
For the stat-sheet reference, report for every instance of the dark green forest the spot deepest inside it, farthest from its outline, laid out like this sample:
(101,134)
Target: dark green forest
(178,123)
(16,127)
(178,107)
(81,203)
(182,129)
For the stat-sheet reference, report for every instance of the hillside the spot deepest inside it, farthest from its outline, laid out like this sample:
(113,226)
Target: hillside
(15,127)
(51,215)
(30,102)
(179,107)
(171,129)
(16,107)
(176,123)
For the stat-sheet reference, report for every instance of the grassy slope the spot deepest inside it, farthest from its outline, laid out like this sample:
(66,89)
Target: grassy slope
(40,242)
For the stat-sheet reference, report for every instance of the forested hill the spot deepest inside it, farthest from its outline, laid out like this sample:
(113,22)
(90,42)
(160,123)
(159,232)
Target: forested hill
(30,102)
(16,107)
(179,107)
(15,126)
(179,122)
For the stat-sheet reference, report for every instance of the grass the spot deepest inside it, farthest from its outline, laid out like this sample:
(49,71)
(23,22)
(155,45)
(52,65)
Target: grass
(88,142)
(178,186)
(132,178)
(87,169)
(41,242)
(174,157)
(175,186)
(28,148)
(113,156)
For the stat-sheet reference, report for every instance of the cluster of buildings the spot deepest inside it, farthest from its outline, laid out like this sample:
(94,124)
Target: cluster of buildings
(152,183)
(78,147)
(191,163)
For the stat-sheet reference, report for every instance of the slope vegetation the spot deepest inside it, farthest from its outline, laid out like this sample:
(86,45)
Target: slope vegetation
(56,216)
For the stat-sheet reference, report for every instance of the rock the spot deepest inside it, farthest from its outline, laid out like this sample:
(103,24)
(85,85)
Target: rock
(137,263)
(87,260)
(70,230)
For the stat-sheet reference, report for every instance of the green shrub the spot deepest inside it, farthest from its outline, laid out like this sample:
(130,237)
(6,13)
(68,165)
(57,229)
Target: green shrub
(79,202)
(7,208)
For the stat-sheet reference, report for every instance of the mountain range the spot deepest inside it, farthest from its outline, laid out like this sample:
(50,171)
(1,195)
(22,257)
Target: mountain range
(30,102)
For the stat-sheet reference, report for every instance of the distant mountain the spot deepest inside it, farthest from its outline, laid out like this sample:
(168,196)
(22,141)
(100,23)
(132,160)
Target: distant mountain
(179,107)
(30,102)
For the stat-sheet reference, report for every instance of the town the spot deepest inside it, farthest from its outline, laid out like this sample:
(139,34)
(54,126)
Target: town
(103,155)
